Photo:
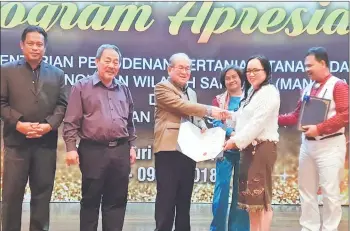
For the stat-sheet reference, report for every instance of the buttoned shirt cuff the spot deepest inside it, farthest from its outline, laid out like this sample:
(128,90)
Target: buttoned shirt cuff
(209,111)
(71,146)
(239,144)
(132,143)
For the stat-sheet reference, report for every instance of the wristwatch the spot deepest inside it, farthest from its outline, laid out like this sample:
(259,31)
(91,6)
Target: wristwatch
(209,111)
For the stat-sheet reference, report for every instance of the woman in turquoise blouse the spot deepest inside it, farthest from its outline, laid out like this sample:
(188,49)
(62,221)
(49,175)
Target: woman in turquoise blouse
(231,79)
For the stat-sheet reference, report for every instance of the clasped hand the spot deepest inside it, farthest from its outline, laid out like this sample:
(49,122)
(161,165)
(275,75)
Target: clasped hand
(220,114)
(33,130)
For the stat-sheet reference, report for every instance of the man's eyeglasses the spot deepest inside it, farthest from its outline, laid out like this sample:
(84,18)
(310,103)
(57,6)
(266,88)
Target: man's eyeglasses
(253,71)
(181,68)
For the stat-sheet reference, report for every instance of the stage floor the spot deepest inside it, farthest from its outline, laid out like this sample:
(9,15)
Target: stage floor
(139,217)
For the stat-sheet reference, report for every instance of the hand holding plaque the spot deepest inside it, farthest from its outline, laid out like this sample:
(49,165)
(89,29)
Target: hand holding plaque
(311,130)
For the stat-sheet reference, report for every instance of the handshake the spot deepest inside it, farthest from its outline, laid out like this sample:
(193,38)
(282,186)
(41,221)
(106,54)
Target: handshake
(219,113)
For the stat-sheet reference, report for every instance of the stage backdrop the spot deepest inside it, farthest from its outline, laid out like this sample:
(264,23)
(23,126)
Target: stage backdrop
(213,35)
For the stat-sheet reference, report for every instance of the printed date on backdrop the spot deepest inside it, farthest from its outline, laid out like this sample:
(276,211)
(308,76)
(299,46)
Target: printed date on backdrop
(205,175)
(202,175)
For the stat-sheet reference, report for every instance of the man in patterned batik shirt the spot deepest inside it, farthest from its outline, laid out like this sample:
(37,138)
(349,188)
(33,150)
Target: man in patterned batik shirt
(323,147)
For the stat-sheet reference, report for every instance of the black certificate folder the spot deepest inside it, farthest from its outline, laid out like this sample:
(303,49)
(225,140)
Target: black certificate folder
(313,111)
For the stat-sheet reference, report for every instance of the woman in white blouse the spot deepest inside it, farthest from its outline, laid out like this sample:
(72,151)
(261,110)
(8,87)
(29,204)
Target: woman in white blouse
(256,137)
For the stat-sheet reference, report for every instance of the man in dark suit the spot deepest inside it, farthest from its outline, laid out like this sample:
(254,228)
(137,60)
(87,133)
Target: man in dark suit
(33,104)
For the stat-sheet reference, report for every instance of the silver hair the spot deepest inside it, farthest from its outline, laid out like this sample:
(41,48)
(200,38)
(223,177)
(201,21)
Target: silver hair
(103,47)
(178,56)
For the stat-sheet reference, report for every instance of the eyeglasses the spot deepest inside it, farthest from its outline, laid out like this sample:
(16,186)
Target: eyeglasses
(181,68)
(253,71)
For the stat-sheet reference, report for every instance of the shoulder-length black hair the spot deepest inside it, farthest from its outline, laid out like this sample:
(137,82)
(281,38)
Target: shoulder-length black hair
(265,63)
(237,69)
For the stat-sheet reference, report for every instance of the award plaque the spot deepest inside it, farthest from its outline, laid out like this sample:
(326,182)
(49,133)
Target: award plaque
(313,111)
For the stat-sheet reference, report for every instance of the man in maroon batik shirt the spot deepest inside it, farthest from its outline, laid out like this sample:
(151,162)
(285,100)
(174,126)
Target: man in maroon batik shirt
(100,110)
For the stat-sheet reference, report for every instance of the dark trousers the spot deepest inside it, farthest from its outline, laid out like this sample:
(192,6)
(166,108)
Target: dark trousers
(37,163)
(105,178)
(175,174)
